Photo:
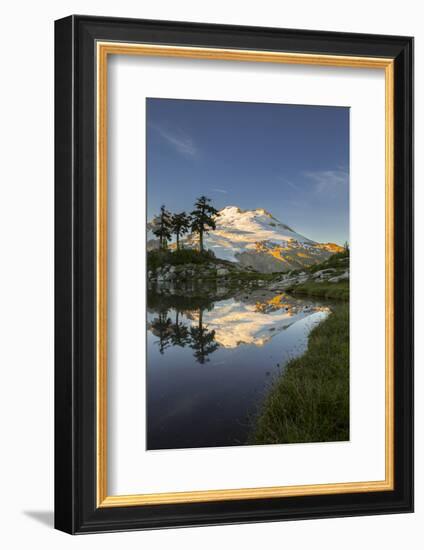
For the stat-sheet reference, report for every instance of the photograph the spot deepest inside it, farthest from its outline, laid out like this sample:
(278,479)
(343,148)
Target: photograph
(247,270)
(233,268)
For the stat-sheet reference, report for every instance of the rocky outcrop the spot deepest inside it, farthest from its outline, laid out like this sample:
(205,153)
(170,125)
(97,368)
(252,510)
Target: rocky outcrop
(292,279)
(339,278)
(269,257)
(190,271)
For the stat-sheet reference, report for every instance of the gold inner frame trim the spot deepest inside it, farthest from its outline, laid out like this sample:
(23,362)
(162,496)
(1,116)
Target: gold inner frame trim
(104,49)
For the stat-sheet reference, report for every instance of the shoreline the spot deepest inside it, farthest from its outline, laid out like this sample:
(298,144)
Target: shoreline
(309,401)
(331,291)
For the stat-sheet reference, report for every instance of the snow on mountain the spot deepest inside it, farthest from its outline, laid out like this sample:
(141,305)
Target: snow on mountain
(238,231)
(255,238)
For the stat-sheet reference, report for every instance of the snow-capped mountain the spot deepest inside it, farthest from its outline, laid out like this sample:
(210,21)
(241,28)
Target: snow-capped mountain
(239,231)
(255,238)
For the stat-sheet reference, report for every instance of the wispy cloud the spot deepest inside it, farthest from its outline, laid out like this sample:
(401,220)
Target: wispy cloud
(328,180)
(178,139)
(289,182)
(217,190)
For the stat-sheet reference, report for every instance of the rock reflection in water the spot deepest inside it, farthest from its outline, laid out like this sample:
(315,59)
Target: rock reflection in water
(243,340)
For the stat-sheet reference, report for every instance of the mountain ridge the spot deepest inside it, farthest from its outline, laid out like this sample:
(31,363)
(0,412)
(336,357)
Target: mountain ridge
(257,239)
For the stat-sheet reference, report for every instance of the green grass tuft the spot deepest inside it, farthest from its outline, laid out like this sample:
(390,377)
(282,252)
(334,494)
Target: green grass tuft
(309,402)
(330,291)
(160,258)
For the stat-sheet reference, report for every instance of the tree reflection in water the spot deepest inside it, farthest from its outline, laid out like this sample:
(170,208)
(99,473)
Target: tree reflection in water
(202,341)
(180,335)
(199,338)
(179,320)
(161,327)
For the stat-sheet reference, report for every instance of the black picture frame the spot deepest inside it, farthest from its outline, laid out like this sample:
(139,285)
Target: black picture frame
(76,510)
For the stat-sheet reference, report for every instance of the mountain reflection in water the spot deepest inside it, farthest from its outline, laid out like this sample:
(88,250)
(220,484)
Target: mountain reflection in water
(209,363)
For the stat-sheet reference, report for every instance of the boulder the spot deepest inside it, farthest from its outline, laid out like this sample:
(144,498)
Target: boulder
(339,278)
(169,276)
(323,273)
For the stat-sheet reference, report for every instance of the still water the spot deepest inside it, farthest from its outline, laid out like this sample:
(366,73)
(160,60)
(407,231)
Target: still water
(211,362)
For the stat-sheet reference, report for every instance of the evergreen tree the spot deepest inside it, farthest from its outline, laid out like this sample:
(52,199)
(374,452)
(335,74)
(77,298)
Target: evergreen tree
(180,224)
(203,218)
(162,227)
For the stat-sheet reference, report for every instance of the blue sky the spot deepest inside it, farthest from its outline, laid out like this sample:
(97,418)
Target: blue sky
(292,160)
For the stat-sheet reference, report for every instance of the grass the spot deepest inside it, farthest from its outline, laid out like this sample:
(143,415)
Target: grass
(253,276)
(339,262)
(330,291)
(160,258)
(309,402)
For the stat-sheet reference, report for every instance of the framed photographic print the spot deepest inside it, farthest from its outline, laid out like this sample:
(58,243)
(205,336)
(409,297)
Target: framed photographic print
(233,274)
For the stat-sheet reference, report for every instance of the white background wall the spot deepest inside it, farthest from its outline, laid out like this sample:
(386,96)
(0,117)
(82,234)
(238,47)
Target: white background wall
(26,272)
